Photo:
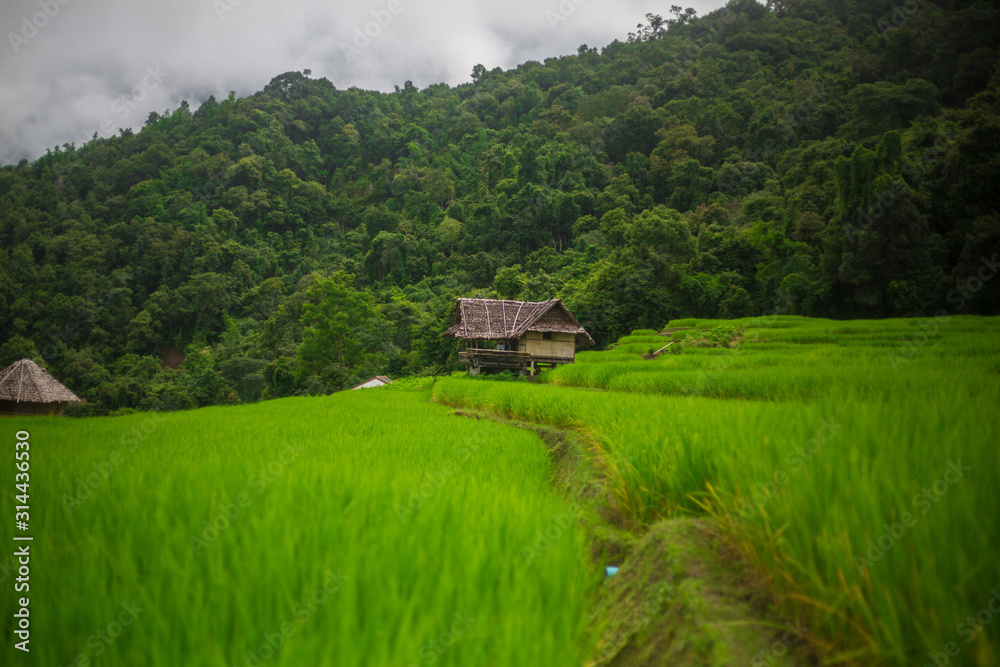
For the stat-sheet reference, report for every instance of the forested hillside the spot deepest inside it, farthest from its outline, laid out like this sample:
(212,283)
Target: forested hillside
(832,158)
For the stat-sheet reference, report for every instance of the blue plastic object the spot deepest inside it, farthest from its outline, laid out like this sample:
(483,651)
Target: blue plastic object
(610,571)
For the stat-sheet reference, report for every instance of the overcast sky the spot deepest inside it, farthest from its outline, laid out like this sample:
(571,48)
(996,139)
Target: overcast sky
(69,68)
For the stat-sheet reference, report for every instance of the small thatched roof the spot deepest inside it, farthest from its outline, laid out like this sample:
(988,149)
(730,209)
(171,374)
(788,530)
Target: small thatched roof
(498,319)
(25,381)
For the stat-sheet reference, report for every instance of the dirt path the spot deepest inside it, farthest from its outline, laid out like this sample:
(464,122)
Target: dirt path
(681,596)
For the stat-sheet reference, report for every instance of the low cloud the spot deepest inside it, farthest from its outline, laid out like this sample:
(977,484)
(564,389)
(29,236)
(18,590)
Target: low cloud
(70,68)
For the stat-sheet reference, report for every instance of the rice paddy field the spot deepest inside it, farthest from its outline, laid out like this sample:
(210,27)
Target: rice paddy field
(854,464)
(364,528)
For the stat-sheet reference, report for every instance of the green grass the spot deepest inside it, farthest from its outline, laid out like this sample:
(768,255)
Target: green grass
(226,525)
(809,445)
(791,359)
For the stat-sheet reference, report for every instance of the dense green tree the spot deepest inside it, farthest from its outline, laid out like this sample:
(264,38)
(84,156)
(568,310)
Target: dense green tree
(509,282)
(332,323)
(661,231)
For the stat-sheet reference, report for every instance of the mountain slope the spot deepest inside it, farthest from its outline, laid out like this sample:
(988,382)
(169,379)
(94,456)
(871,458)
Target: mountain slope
(828,158)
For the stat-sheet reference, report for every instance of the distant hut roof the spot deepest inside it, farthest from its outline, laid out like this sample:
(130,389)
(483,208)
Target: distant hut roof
(499,319)
(25,381)
(377,381)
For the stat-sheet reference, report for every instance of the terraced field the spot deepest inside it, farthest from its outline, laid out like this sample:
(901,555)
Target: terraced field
(777,491)
(853,464)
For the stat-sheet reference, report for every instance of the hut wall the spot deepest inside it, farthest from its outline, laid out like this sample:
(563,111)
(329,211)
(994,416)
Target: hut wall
(560,345)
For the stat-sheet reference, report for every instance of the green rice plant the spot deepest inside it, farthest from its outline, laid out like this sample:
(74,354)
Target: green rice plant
(368,527)
(878,526)
(639,348)
(806,361)
(649,339)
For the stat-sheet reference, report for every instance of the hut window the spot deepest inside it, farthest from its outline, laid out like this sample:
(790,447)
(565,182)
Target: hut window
(546,335)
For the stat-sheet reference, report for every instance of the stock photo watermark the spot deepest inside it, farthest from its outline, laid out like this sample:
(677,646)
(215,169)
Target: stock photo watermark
(223,7)
(647,611)
(123,106)
(913,170)
(545,539)
(922,501)
(229,513)
(302,611)
(102,639)
(968,629)
(782,305)
(797,459)
(83,314)
(432,650)
(364,34)
(30,27)
(789,125)
(898,17)
(965,291)
(563,12)
(87,485)
(433,481)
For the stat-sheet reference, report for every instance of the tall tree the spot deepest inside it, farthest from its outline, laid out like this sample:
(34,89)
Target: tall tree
(335,322)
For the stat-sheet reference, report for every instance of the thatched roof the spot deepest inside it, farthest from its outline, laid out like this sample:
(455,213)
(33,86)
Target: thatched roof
(497,319)
(25,381)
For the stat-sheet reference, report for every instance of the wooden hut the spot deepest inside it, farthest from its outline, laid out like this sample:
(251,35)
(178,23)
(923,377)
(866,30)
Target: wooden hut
(516,335)
(27,389)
